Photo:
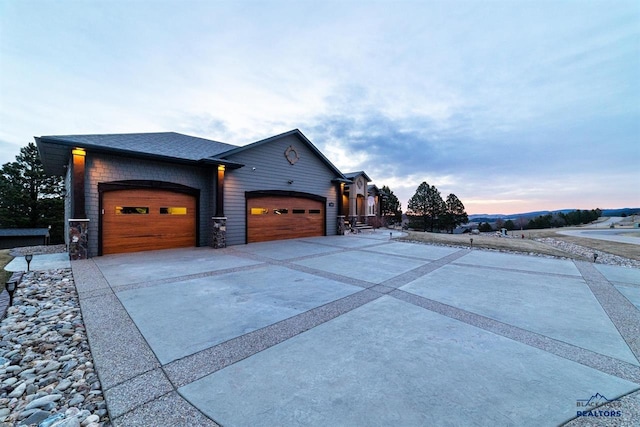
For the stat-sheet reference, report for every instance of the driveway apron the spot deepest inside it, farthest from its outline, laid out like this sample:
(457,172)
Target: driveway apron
(359,330)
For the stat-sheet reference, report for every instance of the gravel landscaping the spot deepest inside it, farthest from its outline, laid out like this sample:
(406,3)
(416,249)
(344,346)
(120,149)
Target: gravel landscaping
(47,378)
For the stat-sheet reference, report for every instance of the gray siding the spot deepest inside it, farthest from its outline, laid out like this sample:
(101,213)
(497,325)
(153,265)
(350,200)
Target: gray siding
(68,197)
(272,172)
(107,168)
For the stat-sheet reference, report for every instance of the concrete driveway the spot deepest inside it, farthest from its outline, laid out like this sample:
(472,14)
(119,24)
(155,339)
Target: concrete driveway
(359,330)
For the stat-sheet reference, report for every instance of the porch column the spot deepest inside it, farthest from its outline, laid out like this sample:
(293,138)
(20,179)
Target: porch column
(78,239)
(219,221)
(220,192)
(78,156)
(79,225)
(353,204)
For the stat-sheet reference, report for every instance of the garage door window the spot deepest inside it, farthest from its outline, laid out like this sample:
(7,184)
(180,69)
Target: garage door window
(132,210)
(314,211)
(298,211)
(173,211)
(259,211)
(281,211)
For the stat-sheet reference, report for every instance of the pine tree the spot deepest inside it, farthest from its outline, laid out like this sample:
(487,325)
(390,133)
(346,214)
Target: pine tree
(390,205)
(28,197)
(454,214)
(426,205)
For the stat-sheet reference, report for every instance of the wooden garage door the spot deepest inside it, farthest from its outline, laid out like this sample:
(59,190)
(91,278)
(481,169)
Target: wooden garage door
(279,217)
(143,220)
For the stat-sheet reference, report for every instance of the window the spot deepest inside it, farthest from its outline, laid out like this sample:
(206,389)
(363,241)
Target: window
(314,211)
(131,210)
(298,211)
(259,211)
(173,211)
(281,211)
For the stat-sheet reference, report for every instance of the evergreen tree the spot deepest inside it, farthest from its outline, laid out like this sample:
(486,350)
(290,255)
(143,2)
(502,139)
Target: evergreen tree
(485,227)
(28,197)
(454,214)
(426,205)
(390,205)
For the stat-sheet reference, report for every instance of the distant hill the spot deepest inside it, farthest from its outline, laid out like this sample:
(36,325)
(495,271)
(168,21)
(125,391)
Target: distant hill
(490,218)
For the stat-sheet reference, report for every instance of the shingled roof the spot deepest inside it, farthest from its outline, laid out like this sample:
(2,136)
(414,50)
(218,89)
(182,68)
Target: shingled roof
(21,232)
(54,150)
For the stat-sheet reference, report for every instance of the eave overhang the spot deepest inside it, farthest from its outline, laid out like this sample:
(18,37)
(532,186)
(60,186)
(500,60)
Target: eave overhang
(55,153)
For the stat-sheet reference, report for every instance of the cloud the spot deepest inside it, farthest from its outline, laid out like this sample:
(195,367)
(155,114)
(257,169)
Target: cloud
(511,101)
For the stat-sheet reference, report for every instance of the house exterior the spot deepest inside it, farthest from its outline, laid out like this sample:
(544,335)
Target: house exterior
(135,192)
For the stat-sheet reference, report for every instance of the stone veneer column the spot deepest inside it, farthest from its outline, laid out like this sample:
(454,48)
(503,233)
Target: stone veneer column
(78,239)
(219,237)
(341,227)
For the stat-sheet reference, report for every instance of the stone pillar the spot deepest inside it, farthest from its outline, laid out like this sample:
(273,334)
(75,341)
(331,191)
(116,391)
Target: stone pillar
(78,239)
(341,226)
(219,236)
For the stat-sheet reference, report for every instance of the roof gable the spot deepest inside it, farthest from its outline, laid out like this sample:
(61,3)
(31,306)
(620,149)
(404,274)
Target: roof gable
(352,175)
(297,134)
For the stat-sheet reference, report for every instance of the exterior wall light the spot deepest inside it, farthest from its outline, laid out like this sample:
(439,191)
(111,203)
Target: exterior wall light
(28,258)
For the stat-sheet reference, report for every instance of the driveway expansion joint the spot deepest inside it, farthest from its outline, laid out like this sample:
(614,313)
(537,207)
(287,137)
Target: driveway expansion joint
(603,363)
(624,315)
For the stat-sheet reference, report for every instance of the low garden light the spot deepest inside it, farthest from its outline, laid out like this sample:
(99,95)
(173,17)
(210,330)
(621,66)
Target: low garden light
(11,288)
(471,242)
(595,257)
(28,258)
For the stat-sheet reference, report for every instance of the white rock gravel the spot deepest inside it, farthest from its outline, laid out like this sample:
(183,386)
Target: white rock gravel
(47,378)
(603,257)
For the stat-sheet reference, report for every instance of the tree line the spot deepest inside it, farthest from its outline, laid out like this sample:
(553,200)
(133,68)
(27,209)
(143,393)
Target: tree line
(550,220)
(560,219)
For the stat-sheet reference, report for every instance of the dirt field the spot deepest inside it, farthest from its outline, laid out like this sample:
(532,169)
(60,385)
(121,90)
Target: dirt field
(528,244)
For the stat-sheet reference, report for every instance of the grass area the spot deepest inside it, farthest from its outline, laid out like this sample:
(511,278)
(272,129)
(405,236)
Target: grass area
(528,244)
(5,259)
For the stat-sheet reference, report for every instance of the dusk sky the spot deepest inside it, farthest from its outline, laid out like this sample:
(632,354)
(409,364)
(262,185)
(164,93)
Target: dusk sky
(513,106)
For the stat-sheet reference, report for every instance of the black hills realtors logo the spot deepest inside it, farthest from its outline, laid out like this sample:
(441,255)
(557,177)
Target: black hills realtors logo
(589,407)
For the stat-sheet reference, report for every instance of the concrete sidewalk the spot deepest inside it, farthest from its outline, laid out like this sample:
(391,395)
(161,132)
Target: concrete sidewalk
(40,262)
(358,330)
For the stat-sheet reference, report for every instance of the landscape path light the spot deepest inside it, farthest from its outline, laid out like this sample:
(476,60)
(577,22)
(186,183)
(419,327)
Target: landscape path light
(28,258)
(11,288)
(595,257)
(471,242)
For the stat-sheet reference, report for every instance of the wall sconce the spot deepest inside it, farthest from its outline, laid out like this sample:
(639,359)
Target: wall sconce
(290,181)
(28,258)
